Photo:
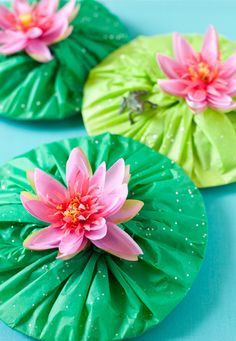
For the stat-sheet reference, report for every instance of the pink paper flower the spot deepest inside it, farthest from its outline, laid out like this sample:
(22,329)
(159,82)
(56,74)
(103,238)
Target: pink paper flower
(88,211)
(201,78)
(35,27)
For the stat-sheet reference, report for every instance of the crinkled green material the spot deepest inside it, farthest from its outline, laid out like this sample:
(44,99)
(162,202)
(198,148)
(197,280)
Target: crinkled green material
(203,144)
(96,295)
(50,91)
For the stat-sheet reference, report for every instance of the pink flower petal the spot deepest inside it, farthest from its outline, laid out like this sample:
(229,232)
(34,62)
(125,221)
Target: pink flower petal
(50,191)
(97,181)
(71,244)
(47,238)
(47,7)
(231,91)
(223,102)
(56,30)
(39,51)
(97,232)
(7,19)
(228,68)
(12,42)
(176,87)
(119,243)
(183,50)
(127,212)
(69,11)
(113,201)
(196,106)
(77,165)
(210,48)
(115,176)
(34,33)
(21,7)
(197,95)
(38,209)
(170,67)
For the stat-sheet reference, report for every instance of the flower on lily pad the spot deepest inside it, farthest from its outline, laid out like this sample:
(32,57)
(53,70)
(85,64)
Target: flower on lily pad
(88,211)
(203,79)
(32,28)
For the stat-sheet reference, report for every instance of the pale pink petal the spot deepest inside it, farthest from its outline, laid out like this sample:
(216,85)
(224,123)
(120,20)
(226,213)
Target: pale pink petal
(97,181)
(49,190)
(7,19)
(71,244)
(170,67)
(12,42)
(127,212)
(39,51)
(77,165)
(98,231)
(47,7)
(210,48)
(183,50)
(65,35)
(231,91)
(47,238)
(69,11)
(113,201)
(34,33)
(174,87)
(21,7)
(39,209)
(115,176)
(223,102)
(228,68)
(197,95)
(119,243)
(197,106)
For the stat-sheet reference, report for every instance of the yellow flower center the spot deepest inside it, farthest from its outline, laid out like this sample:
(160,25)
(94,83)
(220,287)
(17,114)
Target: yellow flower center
(73,210)
(26,19)
(202,72)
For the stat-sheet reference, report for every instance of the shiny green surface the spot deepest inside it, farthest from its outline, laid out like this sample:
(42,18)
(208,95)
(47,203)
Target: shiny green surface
(55,300)
(35,91)
(201,144)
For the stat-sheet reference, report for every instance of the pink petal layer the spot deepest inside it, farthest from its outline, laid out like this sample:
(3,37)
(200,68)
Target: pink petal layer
(39,51)
(47,238)
(71,245)
(127,212)
(38,209)
(7,19)
(115,176)
(113,201)
(119,243)
(47,7)
(21,7)
(176,87)
(210,48)
(170,67)
(51,191)
(98,230)
(183,50)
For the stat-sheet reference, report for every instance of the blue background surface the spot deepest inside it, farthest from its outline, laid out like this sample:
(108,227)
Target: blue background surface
(208,313)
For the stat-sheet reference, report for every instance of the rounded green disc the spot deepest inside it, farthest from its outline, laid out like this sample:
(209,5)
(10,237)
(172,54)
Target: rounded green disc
(56,300)
(51,91)
(201,143)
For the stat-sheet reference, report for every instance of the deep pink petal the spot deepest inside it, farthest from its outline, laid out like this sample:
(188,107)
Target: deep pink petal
(71,244)
(170,67)
(127,212)
(98,231)
(115,176)
(176,87)
(47,238)
(210,48)
(39,209)
(21,7)
(56,31)
(39,51)
(119,243)
(183,50)
(77,167)
(7,19)
(49,190)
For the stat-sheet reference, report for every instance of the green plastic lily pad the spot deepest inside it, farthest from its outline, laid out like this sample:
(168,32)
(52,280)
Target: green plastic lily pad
(50,299)
(203,144)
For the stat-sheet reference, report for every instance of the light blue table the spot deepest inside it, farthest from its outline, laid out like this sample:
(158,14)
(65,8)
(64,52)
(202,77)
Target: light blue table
(208,313)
